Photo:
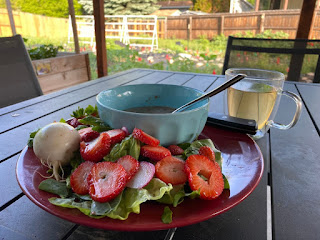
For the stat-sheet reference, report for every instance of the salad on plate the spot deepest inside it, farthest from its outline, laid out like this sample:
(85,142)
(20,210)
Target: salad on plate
(106,172)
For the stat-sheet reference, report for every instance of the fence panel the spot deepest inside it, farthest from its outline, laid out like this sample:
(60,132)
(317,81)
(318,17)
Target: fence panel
(177,27)
(32,25)
(229,24)
(208,27)
(183,27)
(287,22)
(316,28)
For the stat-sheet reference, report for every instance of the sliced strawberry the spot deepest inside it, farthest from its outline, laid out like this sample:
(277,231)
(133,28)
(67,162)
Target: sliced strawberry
(155,153)
(175,150)
(208,152)
(95,150)
(205,175)
(143,176)
(116,135)
(144,137)
(106,180)
(87,134)
(78,179)
(130,164)
(171,170)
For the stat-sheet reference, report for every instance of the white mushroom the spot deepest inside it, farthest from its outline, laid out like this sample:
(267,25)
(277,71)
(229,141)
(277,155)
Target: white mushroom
(55,144)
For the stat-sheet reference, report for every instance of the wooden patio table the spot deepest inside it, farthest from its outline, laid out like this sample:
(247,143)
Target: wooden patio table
(292,167)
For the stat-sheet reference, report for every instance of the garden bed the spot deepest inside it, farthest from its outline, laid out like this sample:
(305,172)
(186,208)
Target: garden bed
(62,71)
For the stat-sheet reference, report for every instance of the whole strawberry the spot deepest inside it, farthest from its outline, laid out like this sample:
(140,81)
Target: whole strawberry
(175,150)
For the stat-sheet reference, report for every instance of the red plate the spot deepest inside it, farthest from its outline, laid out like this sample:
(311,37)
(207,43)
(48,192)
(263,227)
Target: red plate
(242,165)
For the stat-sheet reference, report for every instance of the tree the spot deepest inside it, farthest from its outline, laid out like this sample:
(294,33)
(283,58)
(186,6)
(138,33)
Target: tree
(50,8)
(211,6)
(123,7)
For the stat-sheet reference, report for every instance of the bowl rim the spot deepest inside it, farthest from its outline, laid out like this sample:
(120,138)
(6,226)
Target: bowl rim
(154,114)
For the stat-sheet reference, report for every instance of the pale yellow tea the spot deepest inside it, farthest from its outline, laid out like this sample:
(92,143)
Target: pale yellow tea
(251,101)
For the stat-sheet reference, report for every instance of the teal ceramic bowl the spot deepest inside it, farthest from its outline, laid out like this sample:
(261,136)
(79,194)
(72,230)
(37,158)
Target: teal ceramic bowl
(168,128)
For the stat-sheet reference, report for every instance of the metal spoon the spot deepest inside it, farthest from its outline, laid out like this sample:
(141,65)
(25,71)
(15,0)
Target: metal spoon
(219,89)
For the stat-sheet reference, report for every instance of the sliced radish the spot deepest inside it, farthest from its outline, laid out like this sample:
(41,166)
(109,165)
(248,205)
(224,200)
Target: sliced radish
(125,130)
(143,176)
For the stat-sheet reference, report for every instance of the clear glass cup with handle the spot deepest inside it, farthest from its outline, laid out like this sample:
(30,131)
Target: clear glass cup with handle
(257,97)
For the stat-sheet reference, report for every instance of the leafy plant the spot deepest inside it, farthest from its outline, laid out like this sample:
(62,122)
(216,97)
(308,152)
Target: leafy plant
(44,51)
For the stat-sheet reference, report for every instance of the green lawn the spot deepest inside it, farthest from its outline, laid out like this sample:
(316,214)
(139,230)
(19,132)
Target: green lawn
(200,55)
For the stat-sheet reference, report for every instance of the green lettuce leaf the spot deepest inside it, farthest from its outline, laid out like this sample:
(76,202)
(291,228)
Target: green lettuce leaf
(128,146)
(226,182)
(166,215)
(175,196)
(132,198)
(193,194)
(83,206)
(102,209)
(31,137)
(119,208)
(88,207)
(53,186)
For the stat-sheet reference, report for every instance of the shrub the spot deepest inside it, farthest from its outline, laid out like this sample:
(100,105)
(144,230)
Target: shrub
(44,51)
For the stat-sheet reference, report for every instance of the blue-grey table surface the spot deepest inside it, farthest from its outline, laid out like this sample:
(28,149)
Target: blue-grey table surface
(292,167)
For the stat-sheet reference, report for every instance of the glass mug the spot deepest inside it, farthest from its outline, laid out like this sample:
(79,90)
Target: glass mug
(257,97)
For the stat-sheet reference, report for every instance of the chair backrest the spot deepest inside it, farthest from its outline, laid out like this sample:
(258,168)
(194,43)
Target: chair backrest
(297,59)
(17,77)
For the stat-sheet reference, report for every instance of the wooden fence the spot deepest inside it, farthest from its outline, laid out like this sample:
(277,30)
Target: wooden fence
(192,27)
(183,27)
(33,25)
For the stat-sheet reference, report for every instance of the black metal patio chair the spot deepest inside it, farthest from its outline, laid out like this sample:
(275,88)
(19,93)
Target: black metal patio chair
(17,77)
(298,59)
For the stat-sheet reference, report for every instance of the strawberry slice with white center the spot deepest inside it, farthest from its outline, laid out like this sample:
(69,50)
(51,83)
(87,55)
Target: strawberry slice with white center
(116,135)
(171,170)
(87,134)
(208,152)
(204,175)
(79,178)
(143,176)
(144,137)
(95,150)
(155,153)
(106,181)
(130,164)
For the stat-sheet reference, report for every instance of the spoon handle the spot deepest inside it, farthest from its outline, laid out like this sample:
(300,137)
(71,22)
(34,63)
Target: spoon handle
(219,89)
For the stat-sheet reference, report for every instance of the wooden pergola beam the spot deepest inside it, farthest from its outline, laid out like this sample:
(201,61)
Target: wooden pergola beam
(98,12)
(74,26)
(11,19)
(304,31)
(306,21)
